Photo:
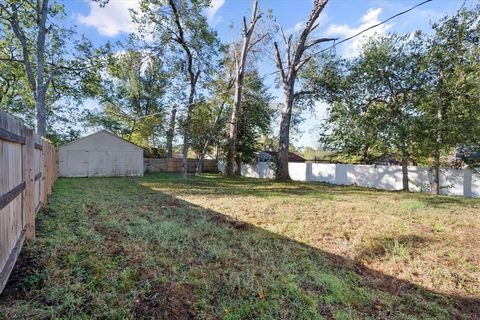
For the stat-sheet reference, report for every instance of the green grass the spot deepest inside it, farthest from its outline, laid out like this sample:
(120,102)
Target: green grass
(216,248)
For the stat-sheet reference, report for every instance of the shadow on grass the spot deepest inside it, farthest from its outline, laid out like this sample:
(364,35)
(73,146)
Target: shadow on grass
(204,262)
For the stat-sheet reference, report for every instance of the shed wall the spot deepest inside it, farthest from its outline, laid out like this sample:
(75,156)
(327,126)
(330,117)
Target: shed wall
(100,155)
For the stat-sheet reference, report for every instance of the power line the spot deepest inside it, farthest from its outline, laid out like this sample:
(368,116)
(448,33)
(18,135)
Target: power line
(342,41)
(351,37)
(371,27)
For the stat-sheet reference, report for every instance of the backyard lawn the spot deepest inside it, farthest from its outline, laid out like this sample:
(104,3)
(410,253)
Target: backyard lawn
(216,248)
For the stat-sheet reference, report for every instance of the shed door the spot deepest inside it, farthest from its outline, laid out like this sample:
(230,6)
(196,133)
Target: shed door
(77,163)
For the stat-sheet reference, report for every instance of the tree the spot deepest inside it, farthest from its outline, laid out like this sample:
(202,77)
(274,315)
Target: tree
(181,26)
(240,58)
(209,117)
(374,114)
(132,97)
(18,15)
(288,69)
(15,97)
(353,130)
(254,119)
(395,83)
(171,131)
(32,37)
(449,109)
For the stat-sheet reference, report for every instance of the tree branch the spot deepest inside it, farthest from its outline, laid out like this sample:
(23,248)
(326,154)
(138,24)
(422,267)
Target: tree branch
(279,62)
(19,33)
(257,41)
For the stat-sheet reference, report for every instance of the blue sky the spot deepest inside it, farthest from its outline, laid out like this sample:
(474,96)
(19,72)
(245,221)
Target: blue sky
(341,18)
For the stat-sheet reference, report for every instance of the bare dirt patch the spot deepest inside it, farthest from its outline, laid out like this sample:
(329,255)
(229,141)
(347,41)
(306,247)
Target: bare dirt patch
(24,274)
(167,301)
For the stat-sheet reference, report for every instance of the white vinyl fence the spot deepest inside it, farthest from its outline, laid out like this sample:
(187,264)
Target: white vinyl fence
(460,182)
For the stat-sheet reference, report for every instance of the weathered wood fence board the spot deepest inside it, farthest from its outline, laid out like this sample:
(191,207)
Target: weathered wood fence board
(28,169)
(175,165)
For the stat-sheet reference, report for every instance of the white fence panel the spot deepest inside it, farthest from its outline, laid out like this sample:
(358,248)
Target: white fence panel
(475,185)
(298,171)
(460,182)
(387,178)
(419,178)
(323,172)
(361,175)
(451,182)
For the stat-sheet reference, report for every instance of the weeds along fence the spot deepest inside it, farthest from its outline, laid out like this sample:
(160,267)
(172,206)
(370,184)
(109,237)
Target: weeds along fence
(28,170)
(460,182)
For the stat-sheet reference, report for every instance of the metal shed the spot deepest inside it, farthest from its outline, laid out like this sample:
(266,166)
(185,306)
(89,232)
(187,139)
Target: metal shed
(101,154)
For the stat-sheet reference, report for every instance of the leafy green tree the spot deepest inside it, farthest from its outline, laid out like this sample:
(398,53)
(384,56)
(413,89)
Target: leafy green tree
(450,112)
(180,27)
(255,119)
(132,97)
(415,96)
(352,128)
(384,82)
(53,62)
(209,118)
(15,97)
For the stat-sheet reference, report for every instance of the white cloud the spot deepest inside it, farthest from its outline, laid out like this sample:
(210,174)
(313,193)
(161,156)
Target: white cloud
(322,19)
(296,28)
(212,11)
(113,19)
(352,47)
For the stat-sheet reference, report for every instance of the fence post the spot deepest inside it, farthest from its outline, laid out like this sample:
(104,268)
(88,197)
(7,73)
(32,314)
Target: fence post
(29,158)
(43,179)
(308,171)
(47,171)
(467,182)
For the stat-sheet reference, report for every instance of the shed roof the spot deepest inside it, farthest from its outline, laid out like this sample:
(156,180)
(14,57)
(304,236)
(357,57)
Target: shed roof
(96,134)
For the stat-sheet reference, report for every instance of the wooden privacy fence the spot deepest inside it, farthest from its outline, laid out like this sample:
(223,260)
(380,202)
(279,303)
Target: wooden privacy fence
(28,169)
(175,165)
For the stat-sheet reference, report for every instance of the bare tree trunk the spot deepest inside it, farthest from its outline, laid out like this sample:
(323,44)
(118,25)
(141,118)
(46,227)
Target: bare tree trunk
(438,143)
(186,143)
(42,11)
(41,110)
(405,183)
(201,156)
(193,77)
(171,131)
(405,154)
(233,125)
(37,82)
(199,170)
(288,69)
(282,161)
(240,73)
(436,155)
(185,156)
(238,162)
(436,171)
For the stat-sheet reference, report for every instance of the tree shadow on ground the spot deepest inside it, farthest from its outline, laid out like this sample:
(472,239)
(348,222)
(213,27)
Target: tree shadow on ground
(208,260)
